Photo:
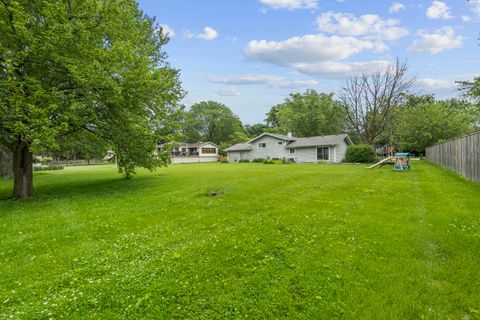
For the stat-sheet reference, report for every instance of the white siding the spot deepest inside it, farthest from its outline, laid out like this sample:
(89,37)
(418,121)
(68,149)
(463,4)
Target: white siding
(340,150)
(309,154)
(273,150)
(305,155)
(193,159)
(233,156)
(208,155)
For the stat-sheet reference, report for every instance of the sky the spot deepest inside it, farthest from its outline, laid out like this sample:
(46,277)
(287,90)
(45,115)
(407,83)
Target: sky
(251,54)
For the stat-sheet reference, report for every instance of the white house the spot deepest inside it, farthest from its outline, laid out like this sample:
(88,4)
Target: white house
(181,152)
(330,148)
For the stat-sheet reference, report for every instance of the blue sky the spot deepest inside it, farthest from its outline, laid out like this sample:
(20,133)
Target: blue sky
(251,54)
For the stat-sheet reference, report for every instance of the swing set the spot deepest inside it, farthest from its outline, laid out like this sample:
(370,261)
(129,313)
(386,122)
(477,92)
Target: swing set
(400,161)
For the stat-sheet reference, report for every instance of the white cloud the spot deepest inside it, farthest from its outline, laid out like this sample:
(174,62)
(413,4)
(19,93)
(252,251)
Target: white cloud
(208,34)
(438,10)
(308,48)
(314,54)
(440,40)
(475,5)
(167,30)
(396,7)
(368,25)
(232,92)
(294,84)
(341,68)
(290,4)
(267,80)
(247,79)
(436,84)
(466,18)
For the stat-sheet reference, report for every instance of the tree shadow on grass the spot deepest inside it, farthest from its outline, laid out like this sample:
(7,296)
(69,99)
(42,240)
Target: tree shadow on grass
(87,188)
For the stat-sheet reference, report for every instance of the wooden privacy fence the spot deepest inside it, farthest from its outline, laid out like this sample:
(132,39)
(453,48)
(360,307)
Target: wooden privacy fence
(461,155)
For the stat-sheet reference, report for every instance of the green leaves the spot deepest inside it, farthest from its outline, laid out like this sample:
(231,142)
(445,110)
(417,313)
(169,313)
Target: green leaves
(211,121)
(91,65)
(425,121)
(308,114)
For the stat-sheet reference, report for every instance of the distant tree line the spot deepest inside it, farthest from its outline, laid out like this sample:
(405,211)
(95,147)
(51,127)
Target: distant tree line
(374,108)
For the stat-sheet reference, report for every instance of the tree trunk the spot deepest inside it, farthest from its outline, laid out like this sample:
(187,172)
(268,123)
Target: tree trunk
(22,171)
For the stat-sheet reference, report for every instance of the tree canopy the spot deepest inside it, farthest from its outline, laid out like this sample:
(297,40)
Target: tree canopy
(87,65)
(424,121)
(211,121)
(370,100)
(253,130)
(308,114)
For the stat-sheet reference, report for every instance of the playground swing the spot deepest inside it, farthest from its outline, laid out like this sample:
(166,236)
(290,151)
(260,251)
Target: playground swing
(400,161)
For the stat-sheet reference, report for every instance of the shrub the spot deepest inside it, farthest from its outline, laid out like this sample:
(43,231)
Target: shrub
(47,160)
(243,161)
(48,168)
(288,160)
(268,162)
(258,160)
(223,161)
(360,153)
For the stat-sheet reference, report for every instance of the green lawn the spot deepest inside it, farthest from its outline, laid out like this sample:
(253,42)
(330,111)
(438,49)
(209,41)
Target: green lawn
(279,241)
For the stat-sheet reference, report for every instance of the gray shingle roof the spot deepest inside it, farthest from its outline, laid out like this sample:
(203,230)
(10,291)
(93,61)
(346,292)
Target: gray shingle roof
(275,135)
(240,147)
(281,136)
(186,145)
(317,141)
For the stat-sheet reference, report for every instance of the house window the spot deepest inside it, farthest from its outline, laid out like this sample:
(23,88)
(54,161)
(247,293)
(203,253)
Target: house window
(209,150)
(262,145)
(292,151)
(322,153)
(280,143)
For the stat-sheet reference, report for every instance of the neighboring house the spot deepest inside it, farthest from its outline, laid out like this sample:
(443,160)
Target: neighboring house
(330,148)
(191,152)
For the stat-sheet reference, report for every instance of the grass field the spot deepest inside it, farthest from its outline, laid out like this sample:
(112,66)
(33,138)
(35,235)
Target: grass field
(278,241)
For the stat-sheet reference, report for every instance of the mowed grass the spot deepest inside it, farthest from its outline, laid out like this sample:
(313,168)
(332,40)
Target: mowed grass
(278,241)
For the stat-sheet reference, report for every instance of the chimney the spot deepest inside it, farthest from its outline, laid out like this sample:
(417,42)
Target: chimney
(289,134)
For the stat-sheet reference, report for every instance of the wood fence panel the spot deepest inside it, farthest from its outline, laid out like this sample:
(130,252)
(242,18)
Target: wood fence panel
(461,155)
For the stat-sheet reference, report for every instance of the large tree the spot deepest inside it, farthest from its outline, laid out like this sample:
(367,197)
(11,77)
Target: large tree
(73,65)
(81,145)
(210,121)
(370,100)
(253,130)
(472,90)
(424,121)
(308,114)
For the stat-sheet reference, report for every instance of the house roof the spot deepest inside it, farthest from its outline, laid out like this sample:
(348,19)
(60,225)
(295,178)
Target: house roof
(240,147)
(275,135)
(187,145)
(319,141)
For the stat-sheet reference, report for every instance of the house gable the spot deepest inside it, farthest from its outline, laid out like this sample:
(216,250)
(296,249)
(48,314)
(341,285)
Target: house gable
(272,135)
